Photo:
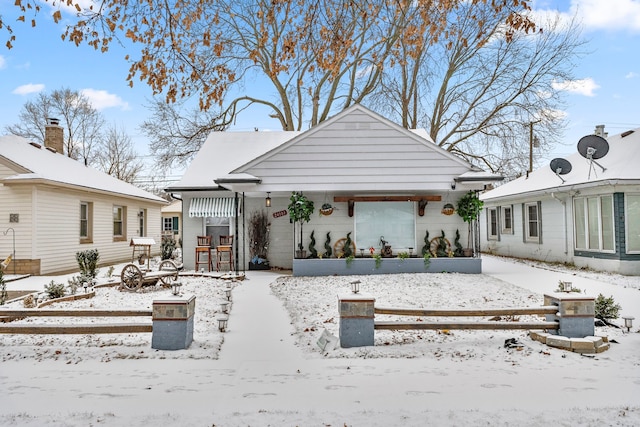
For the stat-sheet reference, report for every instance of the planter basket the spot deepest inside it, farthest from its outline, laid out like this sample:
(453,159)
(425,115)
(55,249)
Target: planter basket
(448,209)
(326,212)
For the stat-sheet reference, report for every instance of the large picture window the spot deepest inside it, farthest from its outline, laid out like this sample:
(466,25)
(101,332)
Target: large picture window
(593,222)
(393,220)
(632,222)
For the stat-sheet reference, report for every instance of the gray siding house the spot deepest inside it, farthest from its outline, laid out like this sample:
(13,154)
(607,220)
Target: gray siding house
(588,216)
(380,179)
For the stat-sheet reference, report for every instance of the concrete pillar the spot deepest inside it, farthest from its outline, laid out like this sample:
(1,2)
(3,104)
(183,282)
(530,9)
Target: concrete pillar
(356,320)
(575,316)
(173,322)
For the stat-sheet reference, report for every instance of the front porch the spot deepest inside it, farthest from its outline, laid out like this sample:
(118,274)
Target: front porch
(365,266)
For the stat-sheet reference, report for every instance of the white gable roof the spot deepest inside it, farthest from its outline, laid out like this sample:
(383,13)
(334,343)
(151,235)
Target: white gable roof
(36,164)
(222,152)
(619,163)
(356,150)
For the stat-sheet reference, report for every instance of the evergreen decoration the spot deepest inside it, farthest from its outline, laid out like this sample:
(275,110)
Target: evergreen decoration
(456,243)
(167,246)
(54,290)
(327,246)
(441,249)
(347,252)
(313,253)
(427,244)
(606,308)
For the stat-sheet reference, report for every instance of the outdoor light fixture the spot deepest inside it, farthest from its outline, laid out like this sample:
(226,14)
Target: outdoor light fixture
(222,323)
(85,284)
(227,292)
(628,322)
(224,307)
(175,288)
(355,286)
(201,270)
(267,201)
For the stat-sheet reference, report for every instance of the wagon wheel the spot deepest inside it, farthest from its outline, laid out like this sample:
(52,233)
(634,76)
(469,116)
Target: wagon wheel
(338,247)
(131,277)
(436,247)
(168,266)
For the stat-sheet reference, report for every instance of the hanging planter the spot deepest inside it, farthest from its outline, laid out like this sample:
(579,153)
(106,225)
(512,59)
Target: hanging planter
(448,209)
(326,209)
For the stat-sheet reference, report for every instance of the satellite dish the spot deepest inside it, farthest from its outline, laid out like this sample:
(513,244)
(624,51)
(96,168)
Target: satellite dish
(593,147)
(560,167)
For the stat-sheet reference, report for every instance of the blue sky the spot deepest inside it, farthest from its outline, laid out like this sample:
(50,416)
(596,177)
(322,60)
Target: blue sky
(606,90)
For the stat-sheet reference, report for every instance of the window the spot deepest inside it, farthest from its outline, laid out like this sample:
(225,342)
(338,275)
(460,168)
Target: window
(170,225)
(119,223)
(532,229)
(492,223)
(86,219)
(507,220)
(593,222)
(632,222)
(142,220)
(393,220)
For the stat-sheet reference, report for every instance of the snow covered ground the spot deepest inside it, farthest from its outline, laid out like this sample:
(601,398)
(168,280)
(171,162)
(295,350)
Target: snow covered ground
(268,370)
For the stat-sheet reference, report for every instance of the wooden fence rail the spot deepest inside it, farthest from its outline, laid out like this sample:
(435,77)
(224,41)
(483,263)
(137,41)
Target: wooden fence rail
(89,328)
(504,325)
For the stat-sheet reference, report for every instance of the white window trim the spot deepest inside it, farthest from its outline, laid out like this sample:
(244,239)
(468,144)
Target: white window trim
(527,237)
(583,201)
(626,221)
(495,236)
(503,228)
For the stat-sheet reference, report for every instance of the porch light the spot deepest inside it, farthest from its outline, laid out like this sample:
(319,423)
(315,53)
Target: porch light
(227,292)
(628,322)
(224,306)
(355,286)
(267,201)
(175,288)
(222,323)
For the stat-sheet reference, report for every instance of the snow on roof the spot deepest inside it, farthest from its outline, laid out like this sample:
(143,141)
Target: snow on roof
(55,168)
(622,149)
(174,207)
(223,152)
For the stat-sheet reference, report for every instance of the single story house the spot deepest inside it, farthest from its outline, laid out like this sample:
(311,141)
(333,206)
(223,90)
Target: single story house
(375,180)
(582,210)
(52,206)
(172,220)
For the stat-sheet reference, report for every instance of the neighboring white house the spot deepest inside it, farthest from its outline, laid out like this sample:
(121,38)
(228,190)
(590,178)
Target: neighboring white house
(172,220)
(589,216)
(52,206)
(381,180)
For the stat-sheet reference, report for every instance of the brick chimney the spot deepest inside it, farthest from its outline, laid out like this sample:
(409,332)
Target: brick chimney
(54,135)
(600,131)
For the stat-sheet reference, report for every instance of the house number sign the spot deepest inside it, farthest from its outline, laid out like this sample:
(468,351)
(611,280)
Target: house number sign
(280,213)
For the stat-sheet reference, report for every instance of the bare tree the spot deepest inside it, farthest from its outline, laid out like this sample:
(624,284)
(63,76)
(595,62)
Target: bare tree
(81,122)
(177,132)
(117,157)
(477,100)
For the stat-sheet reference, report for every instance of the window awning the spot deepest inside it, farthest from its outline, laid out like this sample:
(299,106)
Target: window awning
(217,207)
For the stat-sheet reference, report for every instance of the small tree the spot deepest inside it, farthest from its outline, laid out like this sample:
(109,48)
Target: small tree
(88,263)
(469,207)
(168,245)
(300,211)
(606,308)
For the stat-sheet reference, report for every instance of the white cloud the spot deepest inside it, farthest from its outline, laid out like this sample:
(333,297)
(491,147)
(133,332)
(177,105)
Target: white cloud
(101,99)
(3,62)
(631,75)
(584,87)
(610,15)
(28,88)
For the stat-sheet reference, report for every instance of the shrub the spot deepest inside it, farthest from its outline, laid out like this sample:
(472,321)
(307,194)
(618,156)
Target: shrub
(606,308)
(54,290)
(88,262)
(168,245)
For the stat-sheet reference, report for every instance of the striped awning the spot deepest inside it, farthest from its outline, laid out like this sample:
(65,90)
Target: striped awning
(217,207)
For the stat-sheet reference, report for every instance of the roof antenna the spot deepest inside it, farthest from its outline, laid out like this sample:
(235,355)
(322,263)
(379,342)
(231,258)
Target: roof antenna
(560,167)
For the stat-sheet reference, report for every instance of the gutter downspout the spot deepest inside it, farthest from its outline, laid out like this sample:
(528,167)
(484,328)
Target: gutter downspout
(564,222)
